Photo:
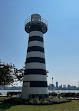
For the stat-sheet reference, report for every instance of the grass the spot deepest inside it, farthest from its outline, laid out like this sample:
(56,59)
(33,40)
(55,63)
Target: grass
(70,106)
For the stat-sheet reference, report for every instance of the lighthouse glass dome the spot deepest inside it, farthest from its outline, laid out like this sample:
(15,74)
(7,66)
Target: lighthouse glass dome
(35,17)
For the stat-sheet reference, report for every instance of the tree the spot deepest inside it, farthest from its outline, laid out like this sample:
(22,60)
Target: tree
(6,73)
(19,73)
(10,74)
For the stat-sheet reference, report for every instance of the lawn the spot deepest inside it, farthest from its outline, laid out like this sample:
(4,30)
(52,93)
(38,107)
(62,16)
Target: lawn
(70,106)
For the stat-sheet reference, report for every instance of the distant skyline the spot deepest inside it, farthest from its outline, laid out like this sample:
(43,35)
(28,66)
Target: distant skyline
(61,41)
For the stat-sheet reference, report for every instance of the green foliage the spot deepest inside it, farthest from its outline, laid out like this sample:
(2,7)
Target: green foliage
(10,94)
(6,76)
(9,73)
(36,101)
(0,94)
(14,100)
(53,94)
(64,94)
(77,95)
(69,94)
(19,73)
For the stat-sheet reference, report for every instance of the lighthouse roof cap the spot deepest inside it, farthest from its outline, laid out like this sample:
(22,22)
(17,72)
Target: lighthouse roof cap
(35,17)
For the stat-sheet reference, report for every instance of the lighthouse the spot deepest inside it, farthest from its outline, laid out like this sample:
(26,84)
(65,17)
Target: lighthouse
(35,76)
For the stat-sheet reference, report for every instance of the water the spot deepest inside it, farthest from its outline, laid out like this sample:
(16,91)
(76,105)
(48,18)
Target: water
(4,92)
(64,91)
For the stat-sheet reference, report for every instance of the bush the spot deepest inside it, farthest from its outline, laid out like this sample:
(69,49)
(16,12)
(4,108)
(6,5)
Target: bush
(14,100)
(36,101)
(10,94)
(69,94)
(0,94)
(77,95)
(57,100)
(53,94)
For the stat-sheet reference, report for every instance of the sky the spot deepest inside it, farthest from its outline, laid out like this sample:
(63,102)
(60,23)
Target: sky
(61,41)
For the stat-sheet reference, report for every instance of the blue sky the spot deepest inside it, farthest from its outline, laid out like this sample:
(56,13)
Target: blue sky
(61,41)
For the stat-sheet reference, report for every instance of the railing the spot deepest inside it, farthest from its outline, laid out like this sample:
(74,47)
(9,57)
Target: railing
(41,20)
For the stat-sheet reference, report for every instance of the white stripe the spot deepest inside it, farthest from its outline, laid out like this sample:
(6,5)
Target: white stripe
(38,90)
(35,66)
(35,77)
(35,33)
(35,54)
(35,43)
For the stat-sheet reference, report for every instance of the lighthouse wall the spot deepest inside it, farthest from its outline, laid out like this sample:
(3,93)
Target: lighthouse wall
(35,77)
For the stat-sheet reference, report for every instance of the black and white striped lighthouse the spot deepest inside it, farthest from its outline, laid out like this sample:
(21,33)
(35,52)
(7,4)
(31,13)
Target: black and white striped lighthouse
(35,77)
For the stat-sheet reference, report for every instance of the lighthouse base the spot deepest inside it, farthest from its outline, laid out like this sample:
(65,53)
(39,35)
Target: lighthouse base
(40,96)
(28,91)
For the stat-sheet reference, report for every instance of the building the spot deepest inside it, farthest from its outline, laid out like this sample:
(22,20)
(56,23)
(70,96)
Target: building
(64,86)
(56,84)
(35,77)
(51,87)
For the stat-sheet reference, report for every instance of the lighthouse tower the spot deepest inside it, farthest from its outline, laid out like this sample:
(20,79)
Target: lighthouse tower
(35,77)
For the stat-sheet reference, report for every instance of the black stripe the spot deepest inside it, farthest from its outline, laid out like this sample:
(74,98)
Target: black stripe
(37,83)
(35,59)
(36,38)
(35,71)
(35,48)
(37,27)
